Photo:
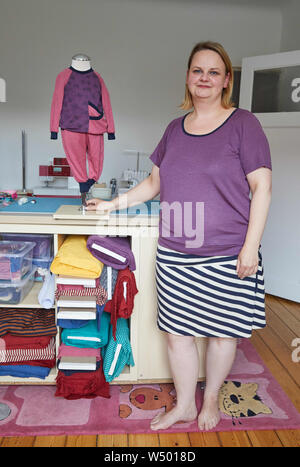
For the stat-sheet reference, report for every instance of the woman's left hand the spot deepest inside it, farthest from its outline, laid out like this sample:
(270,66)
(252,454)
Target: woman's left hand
(247,263)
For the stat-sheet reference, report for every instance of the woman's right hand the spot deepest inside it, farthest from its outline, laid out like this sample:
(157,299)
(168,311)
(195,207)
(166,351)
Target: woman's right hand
(99,205)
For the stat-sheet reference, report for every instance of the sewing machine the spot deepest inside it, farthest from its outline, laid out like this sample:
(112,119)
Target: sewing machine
(57,180)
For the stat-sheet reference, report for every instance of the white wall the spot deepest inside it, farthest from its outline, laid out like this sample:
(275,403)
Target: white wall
(140,47)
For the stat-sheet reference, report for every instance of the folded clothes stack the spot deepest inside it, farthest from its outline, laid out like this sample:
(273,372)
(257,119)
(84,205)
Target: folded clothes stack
(27,342)
(94,288)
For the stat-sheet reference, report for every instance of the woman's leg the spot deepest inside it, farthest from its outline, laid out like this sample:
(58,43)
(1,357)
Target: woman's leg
(184,363)
(220,354)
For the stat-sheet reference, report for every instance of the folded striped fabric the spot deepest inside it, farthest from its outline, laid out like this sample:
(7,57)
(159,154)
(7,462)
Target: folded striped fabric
(63,290)
(16,349)
(27,322)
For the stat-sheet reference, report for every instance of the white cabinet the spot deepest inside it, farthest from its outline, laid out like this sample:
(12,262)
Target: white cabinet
(147,341)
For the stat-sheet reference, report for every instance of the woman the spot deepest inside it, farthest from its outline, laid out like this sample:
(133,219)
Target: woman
(209,271)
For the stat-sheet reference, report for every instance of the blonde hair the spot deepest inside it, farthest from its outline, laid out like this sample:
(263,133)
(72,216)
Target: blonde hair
(226,101)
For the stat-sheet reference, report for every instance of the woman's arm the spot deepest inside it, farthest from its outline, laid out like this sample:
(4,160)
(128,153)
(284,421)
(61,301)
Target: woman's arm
(144,191)
(260,182)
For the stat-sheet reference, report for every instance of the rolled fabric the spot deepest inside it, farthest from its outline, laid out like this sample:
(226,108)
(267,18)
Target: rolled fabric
(112,251)
(74,259)
(46,294)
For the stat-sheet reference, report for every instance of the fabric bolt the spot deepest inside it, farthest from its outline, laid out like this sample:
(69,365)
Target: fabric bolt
(63,290)
(80,147)
(204,192)
(112,251)
(82,385)
(122,302)
(27,322)
(81,103)
(74,259)
(79,323)
(71,351)
(88,335)
(118,353)
(71,323)
(71,372)
(204,297)
(19,349)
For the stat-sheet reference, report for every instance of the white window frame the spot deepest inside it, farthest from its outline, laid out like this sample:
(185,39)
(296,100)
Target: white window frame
(266,62)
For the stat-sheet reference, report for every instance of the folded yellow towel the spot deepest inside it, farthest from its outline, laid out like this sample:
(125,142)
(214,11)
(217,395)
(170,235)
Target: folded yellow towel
(74,259)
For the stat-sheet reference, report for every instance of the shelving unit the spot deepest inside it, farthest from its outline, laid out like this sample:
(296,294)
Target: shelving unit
(147,342)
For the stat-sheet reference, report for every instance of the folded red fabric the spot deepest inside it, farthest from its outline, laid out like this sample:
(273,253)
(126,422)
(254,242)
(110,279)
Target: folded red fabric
(87,385)
(17,350)
(66,290)
(121,306)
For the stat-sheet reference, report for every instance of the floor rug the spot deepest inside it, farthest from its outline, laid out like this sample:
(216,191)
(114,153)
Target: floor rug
(250,399)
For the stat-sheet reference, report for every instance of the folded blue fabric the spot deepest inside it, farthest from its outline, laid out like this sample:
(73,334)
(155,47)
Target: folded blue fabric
(117,353)
(71,323)
(25,371)
(88,335)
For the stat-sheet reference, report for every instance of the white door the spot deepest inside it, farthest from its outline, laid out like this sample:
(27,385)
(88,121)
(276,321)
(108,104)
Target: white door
(270,88)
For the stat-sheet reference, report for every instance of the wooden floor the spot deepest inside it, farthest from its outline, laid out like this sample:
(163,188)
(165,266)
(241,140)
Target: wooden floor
(274,345)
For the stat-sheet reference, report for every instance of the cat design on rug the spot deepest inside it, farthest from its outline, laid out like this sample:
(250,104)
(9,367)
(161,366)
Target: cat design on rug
(147,398)
(241,400)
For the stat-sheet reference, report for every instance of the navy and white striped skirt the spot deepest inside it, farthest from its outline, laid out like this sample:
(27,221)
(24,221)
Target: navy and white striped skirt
(204,297)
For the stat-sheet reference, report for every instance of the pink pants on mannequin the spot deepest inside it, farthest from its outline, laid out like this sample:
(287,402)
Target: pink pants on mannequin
(82,147)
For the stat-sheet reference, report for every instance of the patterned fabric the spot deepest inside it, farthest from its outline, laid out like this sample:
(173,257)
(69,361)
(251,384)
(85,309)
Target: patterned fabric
(108,280)
(11,352)
(118,353)
(27,322)
(79,291)
(204,297)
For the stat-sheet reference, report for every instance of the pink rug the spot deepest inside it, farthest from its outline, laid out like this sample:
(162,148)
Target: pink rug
(251,399)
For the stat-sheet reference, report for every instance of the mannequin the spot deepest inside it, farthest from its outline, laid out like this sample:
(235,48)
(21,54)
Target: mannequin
(81,62)
(81,108)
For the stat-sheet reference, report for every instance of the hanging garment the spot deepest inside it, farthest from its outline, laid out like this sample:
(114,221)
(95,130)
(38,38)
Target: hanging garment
(121,304)
(81,108)
(118,353)
(81,103)
(80,147)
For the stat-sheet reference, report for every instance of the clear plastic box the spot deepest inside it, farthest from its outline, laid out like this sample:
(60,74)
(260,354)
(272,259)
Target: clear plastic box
(43,265)
(15,259)
(12,293)
(43,242)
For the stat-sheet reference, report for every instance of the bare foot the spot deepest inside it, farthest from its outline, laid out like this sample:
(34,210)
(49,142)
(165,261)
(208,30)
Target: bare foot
(162,421)
(209,416)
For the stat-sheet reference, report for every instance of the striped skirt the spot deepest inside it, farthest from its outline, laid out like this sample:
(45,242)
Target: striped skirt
(204,297)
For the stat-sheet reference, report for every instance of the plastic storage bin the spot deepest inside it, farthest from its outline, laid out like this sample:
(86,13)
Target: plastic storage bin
(12,293)
(43,265)
(15,259)
(43,242)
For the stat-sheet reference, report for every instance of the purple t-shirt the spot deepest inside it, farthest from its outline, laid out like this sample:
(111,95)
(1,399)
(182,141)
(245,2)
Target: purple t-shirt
(204,192)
